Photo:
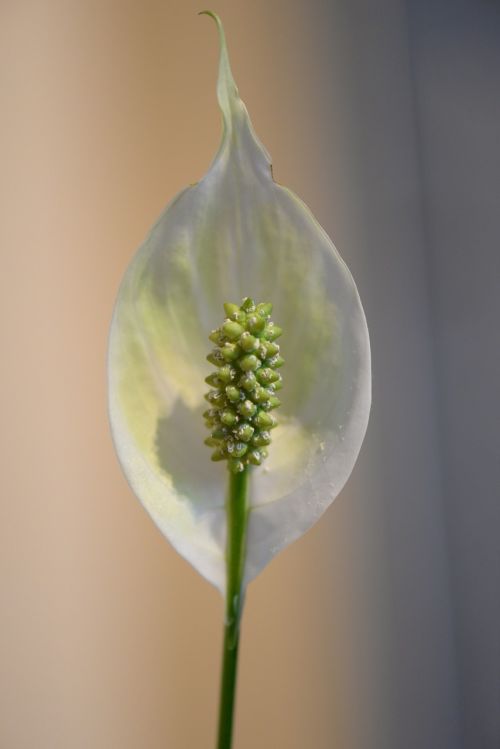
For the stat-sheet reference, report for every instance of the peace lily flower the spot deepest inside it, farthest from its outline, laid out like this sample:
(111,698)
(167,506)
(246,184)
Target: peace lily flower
(234,235)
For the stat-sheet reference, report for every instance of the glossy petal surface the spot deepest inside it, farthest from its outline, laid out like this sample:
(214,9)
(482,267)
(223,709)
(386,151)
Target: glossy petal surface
(234,234)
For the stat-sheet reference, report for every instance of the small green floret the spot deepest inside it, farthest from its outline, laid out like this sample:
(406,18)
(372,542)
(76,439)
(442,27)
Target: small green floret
(244,385)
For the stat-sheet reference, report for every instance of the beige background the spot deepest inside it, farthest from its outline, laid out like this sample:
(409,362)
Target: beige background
(107,638)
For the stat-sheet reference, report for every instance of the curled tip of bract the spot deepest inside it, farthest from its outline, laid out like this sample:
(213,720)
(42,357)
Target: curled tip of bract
(244,386)
(237,232)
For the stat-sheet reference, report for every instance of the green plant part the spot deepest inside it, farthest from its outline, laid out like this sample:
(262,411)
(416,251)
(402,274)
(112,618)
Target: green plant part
(236,232)
(243,392)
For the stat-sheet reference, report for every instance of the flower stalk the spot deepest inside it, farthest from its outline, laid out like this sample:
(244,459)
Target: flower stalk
(237,519)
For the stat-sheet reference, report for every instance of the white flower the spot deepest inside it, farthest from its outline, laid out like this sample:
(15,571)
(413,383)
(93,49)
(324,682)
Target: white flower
(235,234)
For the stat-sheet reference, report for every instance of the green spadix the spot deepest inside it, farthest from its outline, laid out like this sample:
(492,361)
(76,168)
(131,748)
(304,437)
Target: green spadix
(244,392)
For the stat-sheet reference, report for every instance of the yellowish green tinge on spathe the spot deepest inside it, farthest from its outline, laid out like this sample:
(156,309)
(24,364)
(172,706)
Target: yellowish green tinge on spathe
(244,386)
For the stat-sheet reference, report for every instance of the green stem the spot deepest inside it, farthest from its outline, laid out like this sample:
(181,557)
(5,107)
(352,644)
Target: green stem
(237,516)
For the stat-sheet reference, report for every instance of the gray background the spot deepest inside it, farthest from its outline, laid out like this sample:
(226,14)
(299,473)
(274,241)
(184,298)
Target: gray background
(416,93)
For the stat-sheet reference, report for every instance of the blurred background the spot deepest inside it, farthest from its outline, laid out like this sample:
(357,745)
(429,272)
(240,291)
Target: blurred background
(380,629)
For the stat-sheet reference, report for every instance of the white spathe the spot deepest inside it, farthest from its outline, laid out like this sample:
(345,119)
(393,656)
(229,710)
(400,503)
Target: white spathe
(234,234)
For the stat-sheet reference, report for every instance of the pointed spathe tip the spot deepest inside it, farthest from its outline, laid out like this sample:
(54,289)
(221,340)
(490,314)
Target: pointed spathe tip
(227,91)
(218,22)
(211,14)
